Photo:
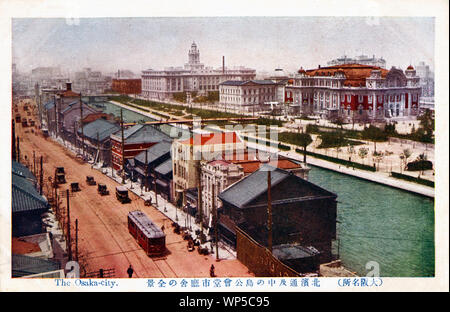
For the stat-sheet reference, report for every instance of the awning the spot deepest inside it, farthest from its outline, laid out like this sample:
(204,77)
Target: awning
(162,183)
(139,170)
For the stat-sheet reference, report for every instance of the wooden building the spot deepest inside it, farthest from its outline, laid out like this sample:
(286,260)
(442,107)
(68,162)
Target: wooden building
(302,212)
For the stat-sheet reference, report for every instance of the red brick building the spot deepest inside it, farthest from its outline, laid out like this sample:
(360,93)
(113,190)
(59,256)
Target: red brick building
(127,86)
(137,139)
(356,92)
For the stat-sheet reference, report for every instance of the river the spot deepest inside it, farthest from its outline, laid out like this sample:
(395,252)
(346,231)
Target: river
(378,223)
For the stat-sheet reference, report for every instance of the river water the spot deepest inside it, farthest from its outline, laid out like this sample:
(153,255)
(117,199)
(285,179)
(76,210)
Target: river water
(391,227)
(378,223)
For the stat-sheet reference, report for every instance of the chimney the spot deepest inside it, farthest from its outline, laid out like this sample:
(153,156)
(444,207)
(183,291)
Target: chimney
(223,64)
(319,65)
(68,86)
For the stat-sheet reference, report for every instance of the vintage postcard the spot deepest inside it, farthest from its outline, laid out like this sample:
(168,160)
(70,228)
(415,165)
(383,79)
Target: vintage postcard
(275,147)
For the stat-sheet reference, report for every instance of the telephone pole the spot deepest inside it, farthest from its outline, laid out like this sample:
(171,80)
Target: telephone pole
(123,147)
(81,125)
(76,239)
(214,209)
(269,211)
(41,177)
(199,194)
(13,140)
(69,245)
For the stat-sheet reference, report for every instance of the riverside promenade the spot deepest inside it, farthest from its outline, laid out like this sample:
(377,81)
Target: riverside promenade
(378,177)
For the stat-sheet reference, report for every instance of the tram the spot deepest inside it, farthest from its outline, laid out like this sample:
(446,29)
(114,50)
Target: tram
(148,235)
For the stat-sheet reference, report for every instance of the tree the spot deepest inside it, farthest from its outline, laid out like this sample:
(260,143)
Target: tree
(374,134)
(406,154)
(363,152)
(304,140)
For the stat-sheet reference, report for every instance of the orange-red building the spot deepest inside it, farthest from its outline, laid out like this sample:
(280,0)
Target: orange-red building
(355,91)
(127,86)
(137,139)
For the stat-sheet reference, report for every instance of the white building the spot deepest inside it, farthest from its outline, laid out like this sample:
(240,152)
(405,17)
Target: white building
(217,175)
(361,59)
(250,95)
(426,80)
(193,77)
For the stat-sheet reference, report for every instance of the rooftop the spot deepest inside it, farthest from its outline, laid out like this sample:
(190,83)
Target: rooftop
(253,186)
(154,152)
(141,134)
(25,197)
(213,138)
(25,265)
(247,82)
(146,225)
(100,127)
(355,74)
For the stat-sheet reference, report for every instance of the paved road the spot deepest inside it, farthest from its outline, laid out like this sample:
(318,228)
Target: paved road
(104,241)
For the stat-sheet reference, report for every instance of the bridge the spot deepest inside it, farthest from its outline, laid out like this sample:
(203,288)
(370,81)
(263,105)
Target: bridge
(185,121)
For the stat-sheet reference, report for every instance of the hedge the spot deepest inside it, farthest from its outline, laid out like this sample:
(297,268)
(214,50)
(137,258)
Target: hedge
(267,143)
(419,165)
(412,179)
(338,160)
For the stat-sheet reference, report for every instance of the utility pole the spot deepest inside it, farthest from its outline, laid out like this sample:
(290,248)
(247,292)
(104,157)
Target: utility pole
(76,239)
(214,209)
(98,147)
(41,177)
(13,145)
(146,172)
(123,147)
(199,194)
(54,123)
(269,210)
(81,125)
(69,245)
(18,149)
(34,163)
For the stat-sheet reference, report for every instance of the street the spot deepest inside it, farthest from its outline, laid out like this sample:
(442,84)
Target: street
(104,241)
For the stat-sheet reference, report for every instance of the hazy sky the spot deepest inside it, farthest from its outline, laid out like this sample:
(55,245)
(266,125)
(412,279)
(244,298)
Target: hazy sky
(263,43)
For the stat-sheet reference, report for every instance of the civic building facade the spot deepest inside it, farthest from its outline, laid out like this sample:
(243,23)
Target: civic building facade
(193,77)
(356,92)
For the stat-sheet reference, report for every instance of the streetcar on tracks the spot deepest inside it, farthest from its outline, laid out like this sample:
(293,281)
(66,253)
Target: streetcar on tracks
(148,235)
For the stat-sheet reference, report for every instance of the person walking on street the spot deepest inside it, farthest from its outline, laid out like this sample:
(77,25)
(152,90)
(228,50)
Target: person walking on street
(130,271)
(211,271)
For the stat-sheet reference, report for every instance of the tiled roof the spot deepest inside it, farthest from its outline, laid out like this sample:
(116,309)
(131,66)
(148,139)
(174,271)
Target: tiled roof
(49,104)
(142,134)
(244,82)
(69,106)
(22,247)
(24,196)
(154,152)
(212,138)
(22,170)
(101,127)
(251,187)
(25,265)
(355,74)
(165,167)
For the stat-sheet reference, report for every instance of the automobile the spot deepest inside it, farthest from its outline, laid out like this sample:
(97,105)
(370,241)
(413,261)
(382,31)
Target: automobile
(122,194)
(60,175)
(102,189)
(90,180)
(75,187)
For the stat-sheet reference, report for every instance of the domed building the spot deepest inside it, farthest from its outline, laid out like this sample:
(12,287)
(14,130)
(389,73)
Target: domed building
(356,92)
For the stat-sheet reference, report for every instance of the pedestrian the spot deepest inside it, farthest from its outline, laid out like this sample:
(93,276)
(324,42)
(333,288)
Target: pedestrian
(130,271)
(211,271)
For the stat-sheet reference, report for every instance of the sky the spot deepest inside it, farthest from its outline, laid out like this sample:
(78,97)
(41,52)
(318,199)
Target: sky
(262,43)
